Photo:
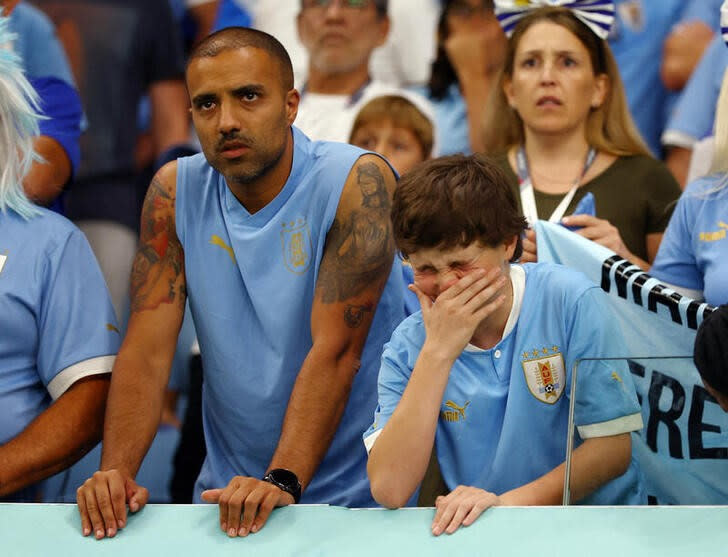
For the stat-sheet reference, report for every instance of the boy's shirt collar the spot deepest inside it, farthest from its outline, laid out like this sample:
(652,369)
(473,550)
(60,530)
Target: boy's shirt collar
(518,281)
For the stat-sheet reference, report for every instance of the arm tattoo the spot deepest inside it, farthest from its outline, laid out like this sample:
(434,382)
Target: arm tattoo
(359,246)
(157,275)
(354,315)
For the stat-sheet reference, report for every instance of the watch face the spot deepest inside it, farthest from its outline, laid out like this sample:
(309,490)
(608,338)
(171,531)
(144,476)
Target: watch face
(285,477)
(286,480)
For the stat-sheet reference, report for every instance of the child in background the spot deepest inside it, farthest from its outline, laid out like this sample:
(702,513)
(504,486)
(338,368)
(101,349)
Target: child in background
(399,126)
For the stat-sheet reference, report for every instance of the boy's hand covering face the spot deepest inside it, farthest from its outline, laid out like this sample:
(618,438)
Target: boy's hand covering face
(451,319)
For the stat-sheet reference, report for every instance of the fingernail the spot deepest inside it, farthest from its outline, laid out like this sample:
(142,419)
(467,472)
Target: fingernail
(134,506)
(254,529)
(120,523)
(99,534)
(110,532)
(232,532)
(86,531)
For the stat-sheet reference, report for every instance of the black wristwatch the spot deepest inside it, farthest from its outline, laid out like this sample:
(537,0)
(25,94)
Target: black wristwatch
(286,480)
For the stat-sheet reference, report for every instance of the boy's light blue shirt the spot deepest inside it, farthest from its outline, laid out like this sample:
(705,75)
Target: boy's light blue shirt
(501,424)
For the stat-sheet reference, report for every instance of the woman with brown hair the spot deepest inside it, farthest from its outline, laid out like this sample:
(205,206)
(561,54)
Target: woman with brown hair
(567,142)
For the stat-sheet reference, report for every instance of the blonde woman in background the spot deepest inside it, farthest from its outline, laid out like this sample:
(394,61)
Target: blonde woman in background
(562,130)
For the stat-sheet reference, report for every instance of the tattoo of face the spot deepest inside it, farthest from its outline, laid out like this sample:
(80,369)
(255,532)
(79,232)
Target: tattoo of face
(354,315)
(360,245)
(373,188)
(157,275)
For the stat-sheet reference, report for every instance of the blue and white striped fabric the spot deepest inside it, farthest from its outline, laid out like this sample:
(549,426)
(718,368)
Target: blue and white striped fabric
(724,21)
(598,15)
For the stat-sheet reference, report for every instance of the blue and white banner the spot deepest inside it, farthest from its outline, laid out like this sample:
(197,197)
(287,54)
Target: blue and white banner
(683,448)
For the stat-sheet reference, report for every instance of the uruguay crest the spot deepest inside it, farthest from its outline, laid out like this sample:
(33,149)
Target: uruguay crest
(297,246)
(545,374)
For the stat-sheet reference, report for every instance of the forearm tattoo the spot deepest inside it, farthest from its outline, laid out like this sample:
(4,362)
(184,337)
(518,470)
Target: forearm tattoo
(157,275)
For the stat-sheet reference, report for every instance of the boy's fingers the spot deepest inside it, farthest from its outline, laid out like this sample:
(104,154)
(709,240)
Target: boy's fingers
(461,512)
(425,302)
(474,513)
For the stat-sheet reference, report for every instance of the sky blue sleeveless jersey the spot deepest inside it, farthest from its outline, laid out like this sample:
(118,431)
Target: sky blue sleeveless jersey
(250,282)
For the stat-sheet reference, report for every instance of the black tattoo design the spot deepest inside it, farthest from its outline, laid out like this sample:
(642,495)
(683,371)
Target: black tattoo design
(360,246)
(354,315)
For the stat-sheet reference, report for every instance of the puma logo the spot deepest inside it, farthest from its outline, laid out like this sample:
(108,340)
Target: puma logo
(456,414)
(219,242)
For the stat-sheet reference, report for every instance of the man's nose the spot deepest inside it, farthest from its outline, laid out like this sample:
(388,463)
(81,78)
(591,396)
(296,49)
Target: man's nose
(228,120)
(335,9)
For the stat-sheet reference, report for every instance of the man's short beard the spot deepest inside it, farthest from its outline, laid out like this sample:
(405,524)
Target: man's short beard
(249,177)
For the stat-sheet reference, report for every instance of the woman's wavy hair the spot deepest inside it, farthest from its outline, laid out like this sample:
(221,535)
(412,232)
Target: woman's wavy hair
(610,127)
(19,115)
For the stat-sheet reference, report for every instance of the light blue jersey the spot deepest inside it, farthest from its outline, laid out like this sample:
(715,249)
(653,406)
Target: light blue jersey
(47,69)
(251,281)
(57,324)
(694,251)
(503,420)
(451,121)
(639,31)
(694,113)
(38,45)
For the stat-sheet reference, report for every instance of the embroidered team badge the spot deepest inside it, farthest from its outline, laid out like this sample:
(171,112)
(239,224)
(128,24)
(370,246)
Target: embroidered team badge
(545,374)
(297,246)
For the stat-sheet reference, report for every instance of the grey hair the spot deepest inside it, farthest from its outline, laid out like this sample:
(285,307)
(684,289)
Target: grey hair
(19,116)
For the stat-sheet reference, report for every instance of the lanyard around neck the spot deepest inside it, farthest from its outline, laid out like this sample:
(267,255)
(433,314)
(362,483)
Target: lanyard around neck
(528,200)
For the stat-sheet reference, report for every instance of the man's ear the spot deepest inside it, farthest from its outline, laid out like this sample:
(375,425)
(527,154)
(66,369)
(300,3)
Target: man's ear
(293,98)
(383,29)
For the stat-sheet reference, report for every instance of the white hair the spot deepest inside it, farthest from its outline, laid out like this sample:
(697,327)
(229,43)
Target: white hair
(19,115)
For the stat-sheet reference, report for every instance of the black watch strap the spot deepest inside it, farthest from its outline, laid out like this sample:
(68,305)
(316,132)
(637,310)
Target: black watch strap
(285,480)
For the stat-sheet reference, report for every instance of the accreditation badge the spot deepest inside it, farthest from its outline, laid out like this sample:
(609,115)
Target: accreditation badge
(545,373)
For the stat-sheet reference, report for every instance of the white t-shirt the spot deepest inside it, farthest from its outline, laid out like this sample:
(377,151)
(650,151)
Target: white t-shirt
(330,117)
(403,60)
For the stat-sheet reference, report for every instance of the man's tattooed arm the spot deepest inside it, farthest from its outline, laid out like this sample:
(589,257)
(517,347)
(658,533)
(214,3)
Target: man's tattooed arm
(157,275)
(359,248)
(356,263)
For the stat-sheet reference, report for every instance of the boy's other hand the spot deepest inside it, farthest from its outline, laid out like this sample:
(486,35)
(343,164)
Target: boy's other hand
(462,506)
